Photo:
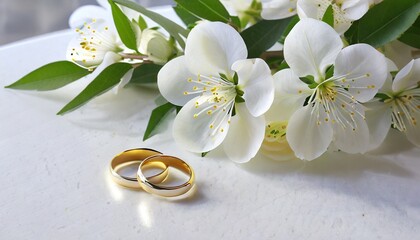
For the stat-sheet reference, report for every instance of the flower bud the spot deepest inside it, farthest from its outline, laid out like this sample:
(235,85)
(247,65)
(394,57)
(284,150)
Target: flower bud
(155,45)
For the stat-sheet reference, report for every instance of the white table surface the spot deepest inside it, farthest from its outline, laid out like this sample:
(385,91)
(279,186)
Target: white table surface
(55,182)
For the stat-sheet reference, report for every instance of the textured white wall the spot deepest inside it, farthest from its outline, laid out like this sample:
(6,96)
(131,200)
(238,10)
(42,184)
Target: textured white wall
(21,19)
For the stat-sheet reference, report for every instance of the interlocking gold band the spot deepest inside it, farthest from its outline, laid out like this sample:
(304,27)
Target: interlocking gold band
(158,161)
(135,156)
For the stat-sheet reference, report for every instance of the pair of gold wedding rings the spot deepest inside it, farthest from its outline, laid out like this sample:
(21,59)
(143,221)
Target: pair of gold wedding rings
(150,159)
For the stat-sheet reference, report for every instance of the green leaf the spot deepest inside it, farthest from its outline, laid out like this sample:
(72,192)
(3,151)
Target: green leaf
(203,154)
(51,76)
(239,99)
(276,63)
(124,27)
(382,96)
(412,35)
(308,79)
(329,72)
(236,79)
(283,65)
(289,27)
(158,114)
(261,36)
(108,78)
(142,23)
(224,77)
(172,28)
(329,16)
(185,16)
(384,23)
(212,10)
(234,20)
(145,73)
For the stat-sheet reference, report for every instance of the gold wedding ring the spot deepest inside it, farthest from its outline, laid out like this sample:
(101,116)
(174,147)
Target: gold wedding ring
(135,156)
(159,161)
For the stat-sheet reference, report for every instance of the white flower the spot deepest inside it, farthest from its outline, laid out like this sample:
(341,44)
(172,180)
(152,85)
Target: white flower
(400,108)
(332,109)
(97,44)
(213,80)
(98,36)
(94,40)
(278,9)
(345,11)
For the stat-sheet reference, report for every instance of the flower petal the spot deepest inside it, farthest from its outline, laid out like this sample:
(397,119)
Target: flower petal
(278,9)
(290,94)
(362,70)
(307,134)
(311,47)
(173,81)
(278,151)
(387,87)
(124,81)
(287,82)
(283,107)
(245,136)
(413,130)
(212,48)
(254,78)
(351,134)
(355,9)
(392,67)
(236,7)
(311,9)
(378,118)
(103,3)
(85,14)
(200,132)
(407,77)
(399,52)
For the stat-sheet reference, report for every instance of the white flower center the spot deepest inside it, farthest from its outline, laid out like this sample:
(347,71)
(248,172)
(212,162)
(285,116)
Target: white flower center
(94,43)
(337,102)
(276,132)
(217,99)
(339,13)
(404,108)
